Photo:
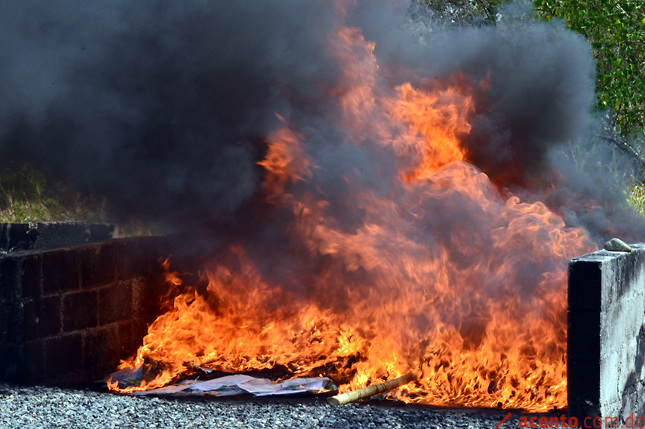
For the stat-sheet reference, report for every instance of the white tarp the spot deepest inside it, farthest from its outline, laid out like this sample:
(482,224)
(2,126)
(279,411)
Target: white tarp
(244,384)
(237,384)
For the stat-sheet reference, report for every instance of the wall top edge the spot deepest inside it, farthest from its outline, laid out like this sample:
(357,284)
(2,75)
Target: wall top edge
(606,255)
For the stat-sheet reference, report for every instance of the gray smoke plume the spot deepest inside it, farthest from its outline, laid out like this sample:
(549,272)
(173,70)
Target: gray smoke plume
(160,106)
(164,107)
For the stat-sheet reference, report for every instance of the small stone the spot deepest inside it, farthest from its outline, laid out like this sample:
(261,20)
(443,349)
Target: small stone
(617,245)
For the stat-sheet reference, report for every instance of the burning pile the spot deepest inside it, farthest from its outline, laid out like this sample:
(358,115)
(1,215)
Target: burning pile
(384,196)
(378,248)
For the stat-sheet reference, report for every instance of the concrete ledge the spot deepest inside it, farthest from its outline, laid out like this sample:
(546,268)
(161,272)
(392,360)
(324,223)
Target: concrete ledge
(606,334)
(50,235)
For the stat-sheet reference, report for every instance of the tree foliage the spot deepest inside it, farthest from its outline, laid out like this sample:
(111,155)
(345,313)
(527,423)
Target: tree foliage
(616,30)
(465,12)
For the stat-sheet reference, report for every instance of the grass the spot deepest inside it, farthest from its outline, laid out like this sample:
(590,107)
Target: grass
(27,196)
(637,197)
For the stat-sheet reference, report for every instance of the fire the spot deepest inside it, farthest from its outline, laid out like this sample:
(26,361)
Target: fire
(433,271)
(440,117)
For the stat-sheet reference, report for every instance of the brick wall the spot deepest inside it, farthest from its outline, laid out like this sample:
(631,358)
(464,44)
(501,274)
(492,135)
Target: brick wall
(67,316)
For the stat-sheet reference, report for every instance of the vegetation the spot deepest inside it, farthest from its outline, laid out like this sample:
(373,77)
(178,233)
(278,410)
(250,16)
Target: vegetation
(616,31)
(468,12)
(26,196)
(637,197)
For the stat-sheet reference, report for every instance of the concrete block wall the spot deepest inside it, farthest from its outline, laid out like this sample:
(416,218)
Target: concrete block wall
(606,334)
(48,235)
(68,315)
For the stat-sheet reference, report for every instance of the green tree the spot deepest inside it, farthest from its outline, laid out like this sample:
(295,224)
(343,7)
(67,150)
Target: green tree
(465,12)
(616,30)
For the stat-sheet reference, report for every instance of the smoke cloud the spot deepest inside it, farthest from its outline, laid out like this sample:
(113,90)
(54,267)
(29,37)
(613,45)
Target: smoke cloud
(159,106)
(164,107)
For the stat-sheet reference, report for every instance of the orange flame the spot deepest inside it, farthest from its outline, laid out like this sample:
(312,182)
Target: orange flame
(441,117)
(442,275)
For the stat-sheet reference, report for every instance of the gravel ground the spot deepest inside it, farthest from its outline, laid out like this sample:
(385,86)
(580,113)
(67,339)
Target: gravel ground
(51,407)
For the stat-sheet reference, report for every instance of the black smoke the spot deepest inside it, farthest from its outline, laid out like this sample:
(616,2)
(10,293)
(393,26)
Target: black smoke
(160,106)
(164,107)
